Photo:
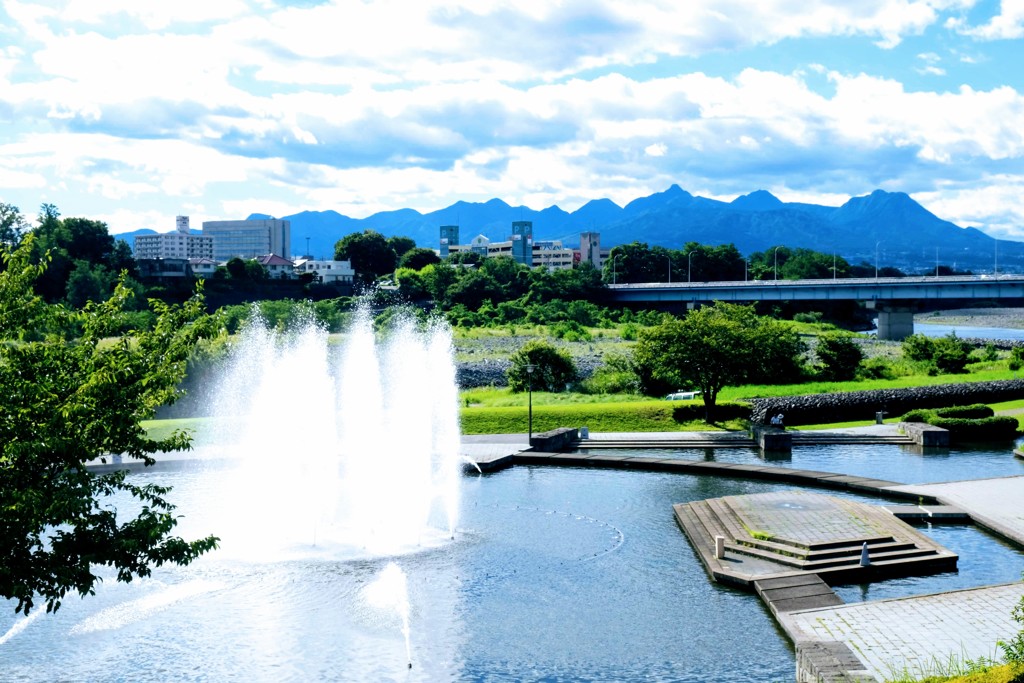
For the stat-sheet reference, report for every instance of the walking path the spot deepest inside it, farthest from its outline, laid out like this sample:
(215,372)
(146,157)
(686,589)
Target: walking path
(870,641)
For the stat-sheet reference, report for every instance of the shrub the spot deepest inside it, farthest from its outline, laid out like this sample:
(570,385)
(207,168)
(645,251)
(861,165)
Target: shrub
(918,347)
(972,412)
(997,428)
(918,415)
(876,368)
(629,331)
(951,354)
(839,356)
(615,376)
(1013,650)
(553,368)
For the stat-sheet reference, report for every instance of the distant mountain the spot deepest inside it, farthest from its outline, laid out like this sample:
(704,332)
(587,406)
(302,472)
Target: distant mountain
(890,224)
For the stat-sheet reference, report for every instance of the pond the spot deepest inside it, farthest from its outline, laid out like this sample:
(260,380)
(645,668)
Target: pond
(554,574)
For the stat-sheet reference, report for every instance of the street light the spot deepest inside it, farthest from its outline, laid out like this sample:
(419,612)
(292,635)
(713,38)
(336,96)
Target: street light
(530,367)
(876,258)
(689,267)
(669,258)
(777,261)
(614,275)
(307,246)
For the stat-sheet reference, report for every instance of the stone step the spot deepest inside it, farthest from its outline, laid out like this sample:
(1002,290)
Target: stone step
(853,549)
(833,563)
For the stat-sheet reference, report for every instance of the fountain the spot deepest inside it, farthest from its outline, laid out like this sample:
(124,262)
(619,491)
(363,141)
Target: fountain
(358,459)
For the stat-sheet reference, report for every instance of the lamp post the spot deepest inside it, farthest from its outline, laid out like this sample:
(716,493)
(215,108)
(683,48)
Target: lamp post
(777,261)
(668,257)
(530,367)
(307,246)
(614,274)
(876,258)
(689,267)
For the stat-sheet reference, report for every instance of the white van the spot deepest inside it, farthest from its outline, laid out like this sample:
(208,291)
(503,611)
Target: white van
(683,396)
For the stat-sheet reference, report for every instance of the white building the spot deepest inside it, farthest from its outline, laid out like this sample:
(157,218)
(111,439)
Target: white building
(180,244)
(327,272)
(249,239)
(548,254)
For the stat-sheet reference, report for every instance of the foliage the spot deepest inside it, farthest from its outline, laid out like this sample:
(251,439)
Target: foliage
(570,330)
(1013,649)
(712,347)
(1016,358)
(370,254)
(12,225)
(417,257)
(975,411)
(402,246)
(615,376)
(69,401)
(876,368)
(839,355)
(552,368)
(918,347)
(951,354)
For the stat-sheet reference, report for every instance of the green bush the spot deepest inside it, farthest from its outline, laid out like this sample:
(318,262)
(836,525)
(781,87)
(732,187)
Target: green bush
(553,368)
(972,412)
(876,368)
(997,428)
(918,415)
(918,347)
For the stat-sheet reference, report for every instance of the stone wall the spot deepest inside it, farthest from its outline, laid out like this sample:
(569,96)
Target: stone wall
(862,405)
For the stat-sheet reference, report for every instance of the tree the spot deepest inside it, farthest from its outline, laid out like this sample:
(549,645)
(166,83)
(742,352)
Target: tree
(714,347)
(416,258)
(402,245)
(65,402)
(839,356)
(370,254)
(553,368)
(951,354)
(12,225)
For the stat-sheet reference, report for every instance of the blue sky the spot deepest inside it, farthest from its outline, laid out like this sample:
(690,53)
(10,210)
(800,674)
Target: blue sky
(134,112)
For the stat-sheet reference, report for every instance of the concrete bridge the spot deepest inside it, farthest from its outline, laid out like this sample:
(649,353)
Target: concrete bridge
(895,299)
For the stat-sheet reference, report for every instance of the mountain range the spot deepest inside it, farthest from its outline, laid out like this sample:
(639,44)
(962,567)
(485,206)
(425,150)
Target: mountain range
(888,226)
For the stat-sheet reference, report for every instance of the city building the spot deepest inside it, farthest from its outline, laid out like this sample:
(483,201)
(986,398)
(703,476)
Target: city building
(449,236)
(203,267)
(327,272)
(522,242)
(249,239)
(277,267)
(549,254)
(179,244)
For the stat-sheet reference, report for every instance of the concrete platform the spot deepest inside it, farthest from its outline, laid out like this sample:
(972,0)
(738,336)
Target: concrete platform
(789,533)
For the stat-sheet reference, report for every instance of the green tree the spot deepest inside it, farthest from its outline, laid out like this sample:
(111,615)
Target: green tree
(714,347)
(951,354)
(12,225)
(69,401)
(918,347)
(416,258)
(370,254)
(401,246)
(553,369)
(839,355)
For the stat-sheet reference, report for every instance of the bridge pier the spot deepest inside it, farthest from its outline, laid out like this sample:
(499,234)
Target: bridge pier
(894,322)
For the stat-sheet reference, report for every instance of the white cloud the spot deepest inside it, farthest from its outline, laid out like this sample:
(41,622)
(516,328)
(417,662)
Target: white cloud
(658,149)
(1007,25)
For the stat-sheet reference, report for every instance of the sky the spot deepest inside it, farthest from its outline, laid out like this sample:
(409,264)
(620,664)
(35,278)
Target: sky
(133,112)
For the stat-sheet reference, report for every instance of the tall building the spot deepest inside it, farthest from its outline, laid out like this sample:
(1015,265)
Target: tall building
(249,239)
(522,242)
(590,249)
(449,237)
(179,244)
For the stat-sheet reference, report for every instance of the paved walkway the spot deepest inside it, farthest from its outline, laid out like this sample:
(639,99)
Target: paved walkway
(994,503)
(915,634)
